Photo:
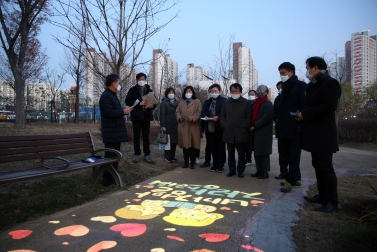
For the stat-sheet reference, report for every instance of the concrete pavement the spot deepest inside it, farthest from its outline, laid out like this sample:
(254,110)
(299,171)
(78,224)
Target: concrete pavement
(184,210)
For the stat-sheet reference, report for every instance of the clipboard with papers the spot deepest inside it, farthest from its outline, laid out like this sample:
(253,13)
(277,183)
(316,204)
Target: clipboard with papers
(151,98)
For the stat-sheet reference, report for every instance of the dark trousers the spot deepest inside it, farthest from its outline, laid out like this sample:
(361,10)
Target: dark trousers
(241,148)
(290,153)
(143,127)
(262,163)
(283,162)
(189,154)
(107,177)
(249,149)
(170,154)
(326,177)
(208,150)
(217,147)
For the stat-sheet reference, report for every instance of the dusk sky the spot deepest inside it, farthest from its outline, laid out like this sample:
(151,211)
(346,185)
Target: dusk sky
(274,30)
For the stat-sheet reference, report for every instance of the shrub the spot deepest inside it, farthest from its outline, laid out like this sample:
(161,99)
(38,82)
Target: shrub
(358,130)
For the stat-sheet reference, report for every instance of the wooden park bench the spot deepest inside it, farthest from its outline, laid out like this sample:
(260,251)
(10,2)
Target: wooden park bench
(51,156)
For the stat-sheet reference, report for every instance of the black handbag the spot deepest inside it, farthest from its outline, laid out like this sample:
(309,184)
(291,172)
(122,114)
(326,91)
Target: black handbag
(162,137)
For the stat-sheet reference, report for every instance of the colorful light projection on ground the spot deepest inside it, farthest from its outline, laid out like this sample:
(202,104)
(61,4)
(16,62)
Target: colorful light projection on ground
(183,205)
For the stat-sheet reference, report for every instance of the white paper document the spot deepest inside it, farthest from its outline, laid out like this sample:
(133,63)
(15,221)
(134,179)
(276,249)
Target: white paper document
(207,119)
(136,102)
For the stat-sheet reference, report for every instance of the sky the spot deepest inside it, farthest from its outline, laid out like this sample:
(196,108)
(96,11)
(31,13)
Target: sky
(275,31)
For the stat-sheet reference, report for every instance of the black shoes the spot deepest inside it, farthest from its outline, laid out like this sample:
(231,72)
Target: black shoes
(205,164)
(213,168)
(220,170)
(326,208)
(263,175)
(240,175)
(315,199)
(230,174)
(192,166)
(185,165)
(256,174)
(281,176)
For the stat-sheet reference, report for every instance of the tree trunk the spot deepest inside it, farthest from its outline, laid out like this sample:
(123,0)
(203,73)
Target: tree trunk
(20,101)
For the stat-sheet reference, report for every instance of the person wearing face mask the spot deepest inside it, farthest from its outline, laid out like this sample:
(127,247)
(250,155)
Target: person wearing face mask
(261,129)
(252,96)
(235,120)
(283,163)
(287,128)
(168,122)
(319,134)
(188,116)
(141,117)
(203,125)
(214,132)
(113,128)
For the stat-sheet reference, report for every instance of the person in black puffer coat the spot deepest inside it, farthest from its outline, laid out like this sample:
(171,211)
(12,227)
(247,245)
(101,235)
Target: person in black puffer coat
(112,121)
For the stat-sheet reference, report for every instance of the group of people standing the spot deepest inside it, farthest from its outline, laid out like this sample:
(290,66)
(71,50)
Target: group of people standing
(304,118)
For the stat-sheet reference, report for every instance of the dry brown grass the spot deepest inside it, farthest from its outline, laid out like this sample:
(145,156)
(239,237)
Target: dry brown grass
(342,230)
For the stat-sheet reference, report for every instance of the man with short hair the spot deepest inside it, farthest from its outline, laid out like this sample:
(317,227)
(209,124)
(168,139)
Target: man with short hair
(235,120)
(141,117)
(287,128)
(319,134)
(112,122)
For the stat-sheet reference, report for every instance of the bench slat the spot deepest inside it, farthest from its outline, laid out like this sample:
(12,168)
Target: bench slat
(20,144)
(42,137)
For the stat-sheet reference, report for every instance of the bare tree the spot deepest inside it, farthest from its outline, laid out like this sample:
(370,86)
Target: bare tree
(55,81)
(20,22)
(117,30)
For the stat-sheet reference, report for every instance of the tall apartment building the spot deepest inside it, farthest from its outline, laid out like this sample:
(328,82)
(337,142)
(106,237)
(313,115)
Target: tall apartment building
(243,67)
(271,94)
(338,69)
(363,59)
(195,74)
(163,72)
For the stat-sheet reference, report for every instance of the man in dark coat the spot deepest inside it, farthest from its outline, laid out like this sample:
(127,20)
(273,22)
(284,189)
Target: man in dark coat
(261,129)
(141,117)
(235,120)
(214,132)
(112,121)
(287,128)
(319,134)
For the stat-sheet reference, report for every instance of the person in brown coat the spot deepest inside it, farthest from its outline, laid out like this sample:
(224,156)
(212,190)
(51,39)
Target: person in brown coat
(188,116)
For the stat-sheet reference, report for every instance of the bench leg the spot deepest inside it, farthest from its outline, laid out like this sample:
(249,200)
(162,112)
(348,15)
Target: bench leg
(97,172)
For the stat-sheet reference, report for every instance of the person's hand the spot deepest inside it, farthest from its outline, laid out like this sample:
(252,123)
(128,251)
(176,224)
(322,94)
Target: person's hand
(163,128)
(206,117)
(127,110)
(299,116)
(144,102)
(180,119)
(252,128)
(190,119)
(216,118)
(149,105)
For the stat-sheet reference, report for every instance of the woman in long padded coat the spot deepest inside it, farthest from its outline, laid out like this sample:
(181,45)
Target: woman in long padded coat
(169,123)
(188,116)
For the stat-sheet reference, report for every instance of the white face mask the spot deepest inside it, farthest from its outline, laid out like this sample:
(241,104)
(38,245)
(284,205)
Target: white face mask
(214,96)
(235,96)
(251,97)
(279,91)
(309,76)
(188,96)
(170,96)
(284,78)
(119,87)
(141,83)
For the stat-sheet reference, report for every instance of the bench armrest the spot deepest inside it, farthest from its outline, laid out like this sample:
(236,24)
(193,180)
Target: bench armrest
(119,154)
(62,166)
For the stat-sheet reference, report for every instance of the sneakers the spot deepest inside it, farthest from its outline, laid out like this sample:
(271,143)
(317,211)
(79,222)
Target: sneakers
(297,184)
(136,159)
(248,163)
(220,170)
(326,208)
(148,159)
(167,160)
(315,199)
(173,160)
(213,168)
(287,187)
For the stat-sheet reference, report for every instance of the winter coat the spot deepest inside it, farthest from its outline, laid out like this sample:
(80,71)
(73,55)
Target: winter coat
(168,118)
(292,99)
(206,111)
(318,130)
(139,113)
(262,133)
(112,118)
(235,120)
(189,132)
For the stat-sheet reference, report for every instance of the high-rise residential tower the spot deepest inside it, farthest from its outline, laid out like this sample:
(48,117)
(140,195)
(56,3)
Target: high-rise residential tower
(243,67)
(195,74)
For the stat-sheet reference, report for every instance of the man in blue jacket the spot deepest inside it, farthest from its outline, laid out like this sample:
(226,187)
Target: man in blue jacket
(214,133)
(287,128)
(112,121)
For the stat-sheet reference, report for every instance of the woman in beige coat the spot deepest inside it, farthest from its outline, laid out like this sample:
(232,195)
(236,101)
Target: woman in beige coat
(188,116)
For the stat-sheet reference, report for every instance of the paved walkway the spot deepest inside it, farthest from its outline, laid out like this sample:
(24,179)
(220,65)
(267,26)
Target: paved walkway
(184,210)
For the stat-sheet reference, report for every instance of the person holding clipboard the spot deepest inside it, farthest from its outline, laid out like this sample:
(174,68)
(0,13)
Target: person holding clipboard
(141,116)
